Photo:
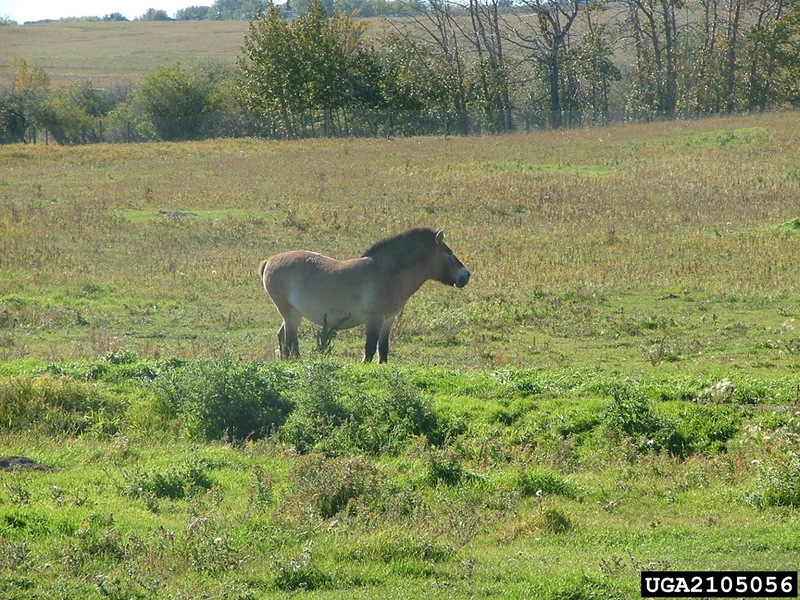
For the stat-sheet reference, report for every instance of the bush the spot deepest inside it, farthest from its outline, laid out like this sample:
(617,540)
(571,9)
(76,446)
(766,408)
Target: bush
(708,428)
(443,467)
(778,485)
(176,100)
(340,416)
(176,483)
(219,399)
(630,417)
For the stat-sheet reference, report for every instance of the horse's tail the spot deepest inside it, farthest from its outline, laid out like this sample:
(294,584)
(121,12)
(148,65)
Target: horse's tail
(261,269)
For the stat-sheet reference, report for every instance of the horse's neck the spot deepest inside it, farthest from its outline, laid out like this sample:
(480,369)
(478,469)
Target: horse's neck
(409,280)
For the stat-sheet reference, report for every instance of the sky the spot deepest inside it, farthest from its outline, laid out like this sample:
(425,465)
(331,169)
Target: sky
(38,10)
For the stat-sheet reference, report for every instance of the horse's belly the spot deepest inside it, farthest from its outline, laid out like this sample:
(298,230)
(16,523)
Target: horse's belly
(332,314)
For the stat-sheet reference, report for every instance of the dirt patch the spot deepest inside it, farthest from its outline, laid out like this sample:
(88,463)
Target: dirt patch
(22,463)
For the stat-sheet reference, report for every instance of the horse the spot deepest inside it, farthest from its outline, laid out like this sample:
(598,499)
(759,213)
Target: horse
(370,290)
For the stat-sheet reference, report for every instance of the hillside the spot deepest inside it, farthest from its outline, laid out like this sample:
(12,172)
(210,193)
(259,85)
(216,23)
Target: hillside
(107,53)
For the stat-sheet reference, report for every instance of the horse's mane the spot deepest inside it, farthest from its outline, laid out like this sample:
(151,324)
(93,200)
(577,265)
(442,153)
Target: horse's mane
(404,249)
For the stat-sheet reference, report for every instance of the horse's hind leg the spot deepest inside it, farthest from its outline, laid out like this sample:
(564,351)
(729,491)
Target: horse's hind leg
(287,335)
(282,342)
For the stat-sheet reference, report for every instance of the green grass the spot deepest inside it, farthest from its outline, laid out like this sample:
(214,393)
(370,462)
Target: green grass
(620,276)
(540,493)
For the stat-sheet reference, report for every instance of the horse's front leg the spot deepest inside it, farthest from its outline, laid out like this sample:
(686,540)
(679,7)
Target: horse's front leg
(383,340)
(373,330)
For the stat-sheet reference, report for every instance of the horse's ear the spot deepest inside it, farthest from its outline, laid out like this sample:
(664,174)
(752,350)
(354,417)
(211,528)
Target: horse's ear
(439,237)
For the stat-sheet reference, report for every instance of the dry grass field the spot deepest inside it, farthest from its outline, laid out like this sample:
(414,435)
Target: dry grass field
(110,53)
(663,243)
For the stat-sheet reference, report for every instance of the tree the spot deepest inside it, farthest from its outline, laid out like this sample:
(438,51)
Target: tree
(155,15)
(656,35)
(439,57)
(593,69)
(193,13)
(237,10)
(25,105)
(13,117)
(176,100)
(547,45)
(772,61)
(290,69)
(494,74)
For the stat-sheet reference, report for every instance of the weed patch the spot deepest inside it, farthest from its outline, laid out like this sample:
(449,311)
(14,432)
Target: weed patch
(631,418)
(324,487)
(778,485)
(339,416)
(176,482)
(222,399)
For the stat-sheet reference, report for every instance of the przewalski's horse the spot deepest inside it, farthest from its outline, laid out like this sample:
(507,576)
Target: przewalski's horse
(369,291)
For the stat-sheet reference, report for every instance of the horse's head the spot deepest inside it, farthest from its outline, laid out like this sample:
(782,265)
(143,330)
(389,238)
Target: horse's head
(451,271)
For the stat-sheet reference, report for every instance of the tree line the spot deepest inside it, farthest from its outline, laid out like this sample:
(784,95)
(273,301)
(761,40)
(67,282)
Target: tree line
(468,66)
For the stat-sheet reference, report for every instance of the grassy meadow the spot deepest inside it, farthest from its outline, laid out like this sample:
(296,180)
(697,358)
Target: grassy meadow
(109,53)
(616,389)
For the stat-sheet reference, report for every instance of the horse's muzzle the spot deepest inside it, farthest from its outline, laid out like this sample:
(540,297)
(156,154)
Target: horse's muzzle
(462,279)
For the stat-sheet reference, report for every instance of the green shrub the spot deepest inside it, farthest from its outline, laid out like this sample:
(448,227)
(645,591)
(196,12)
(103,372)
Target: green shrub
(443,466)
(222,399)
(339,415)
(630,417)
(708,428)
(176,482)
(778,485)
(319,410)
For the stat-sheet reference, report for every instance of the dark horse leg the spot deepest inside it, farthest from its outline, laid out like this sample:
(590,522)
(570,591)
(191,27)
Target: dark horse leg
(371,344)
(377,339)
(383,340)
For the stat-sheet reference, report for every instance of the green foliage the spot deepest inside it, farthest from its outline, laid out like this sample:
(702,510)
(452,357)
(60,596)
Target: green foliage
(707,429)
(338,416)
(311,63)
(14,118)
(300,573)
(533,482)
(631,418)
(176,482)
(323,487)
(443,466)
(215,518)
(222,399)
(176,100)
(58,406)
(153,14)
(778,484)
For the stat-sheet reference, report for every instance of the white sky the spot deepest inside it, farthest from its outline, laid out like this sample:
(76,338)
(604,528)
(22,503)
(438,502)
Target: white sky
(37,10)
